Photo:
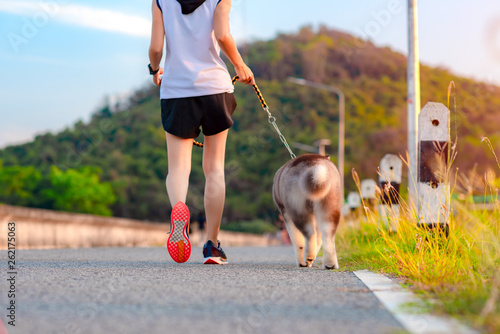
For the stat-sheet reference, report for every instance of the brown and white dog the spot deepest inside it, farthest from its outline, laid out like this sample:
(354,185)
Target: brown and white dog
(307,191)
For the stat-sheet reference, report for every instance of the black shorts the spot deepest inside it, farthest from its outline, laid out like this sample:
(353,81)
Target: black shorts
(182,117)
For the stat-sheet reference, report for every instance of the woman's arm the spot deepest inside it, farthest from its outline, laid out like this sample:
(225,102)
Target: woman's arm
(156,46)
(227,44)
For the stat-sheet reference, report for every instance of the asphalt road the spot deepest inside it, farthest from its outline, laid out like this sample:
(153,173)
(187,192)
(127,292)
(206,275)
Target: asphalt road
(141,290)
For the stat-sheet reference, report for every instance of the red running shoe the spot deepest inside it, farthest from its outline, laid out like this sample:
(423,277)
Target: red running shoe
(178,244)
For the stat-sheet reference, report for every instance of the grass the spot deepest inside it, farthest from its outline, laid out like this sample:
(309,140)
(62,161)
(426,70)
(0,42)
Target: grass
(457,272)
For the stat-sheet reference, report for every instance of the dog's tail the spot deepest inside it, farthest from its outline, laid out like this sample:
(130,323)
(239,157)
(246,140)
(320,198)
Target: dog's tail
(314,182)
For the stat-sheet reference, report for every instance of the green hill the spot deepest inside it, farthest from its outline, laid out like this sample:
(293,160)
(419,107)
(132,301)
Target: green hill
(126,149)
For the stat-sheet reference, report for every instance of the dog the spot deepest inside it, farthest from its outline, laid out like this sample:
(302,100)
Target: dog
(307,192)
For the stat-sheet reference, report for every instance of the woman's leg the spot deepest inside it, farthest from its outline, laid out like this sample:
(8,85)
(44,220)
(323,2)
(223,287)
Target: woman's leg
(215,187)
(179,167)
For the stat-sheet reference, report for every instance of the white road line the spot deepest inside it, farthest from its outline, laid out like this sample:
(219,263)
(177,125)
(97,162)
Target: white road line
(395,298)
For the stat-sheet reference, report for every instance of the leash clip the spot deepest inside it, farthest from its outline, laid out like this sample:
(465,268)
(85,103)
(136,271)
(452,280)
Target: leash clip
(270,118)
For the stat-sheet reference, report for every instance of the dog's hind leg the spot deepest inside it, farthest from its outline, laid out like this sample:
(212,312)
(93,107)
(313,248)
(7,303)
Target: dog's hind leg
(329,251)
(327,219)
(311,243)
(298,241)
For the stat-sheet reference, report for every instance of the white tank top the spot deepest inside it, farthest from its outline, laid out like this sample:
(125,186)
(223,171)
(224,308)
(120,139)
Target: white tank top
(193,66)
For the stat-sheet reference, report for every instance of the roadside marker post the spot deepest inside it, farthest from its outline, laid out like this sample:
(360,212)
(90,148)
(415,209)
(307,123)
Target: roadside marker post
(368,189)
(353,200)
(368,192)
(353,204)
(391,168)
(433,158)
(345,210)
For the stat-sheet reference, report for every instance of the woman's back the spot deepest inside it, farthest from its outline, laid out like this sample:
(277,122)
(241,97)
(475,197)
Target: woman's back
(193,66)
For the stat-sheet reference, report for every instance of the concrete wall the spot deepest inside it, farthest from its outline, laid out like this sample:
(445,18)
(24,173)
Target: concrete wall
(38,228)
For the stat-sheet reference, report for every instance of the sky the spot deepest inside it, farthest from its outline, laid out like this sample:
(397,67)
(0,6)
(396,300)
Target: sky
(60,59)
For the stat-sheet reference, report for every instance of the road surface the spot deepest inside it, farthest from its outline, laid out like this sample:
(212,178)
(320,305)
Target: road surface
(141,290)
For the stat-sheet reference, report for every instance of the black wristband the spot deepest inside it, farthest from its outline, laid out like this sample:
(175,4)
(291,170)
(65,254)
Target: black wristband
(151,71)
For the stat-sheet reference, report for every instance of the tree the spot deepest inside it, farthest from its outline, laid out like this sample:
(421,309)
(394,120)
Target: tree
(80,191)
(129,145)
(18,184)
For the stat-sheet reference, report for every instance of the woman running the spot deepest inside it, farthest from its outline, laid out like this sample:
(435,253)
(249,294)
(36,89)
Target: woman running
(195,91)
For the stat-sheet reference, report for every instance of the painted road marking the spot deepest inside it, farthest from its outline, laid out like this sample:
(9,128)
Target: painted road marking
(395,298)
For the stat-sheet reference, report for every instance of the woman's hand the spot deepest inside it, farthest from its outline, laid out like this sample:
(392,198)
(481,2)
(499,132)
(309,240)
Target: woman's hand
(245,74)
(157,78)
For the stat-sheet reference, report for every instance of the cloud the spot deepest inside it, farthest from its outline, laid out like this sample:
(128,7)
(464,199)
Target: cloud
(84,16)
(38,59)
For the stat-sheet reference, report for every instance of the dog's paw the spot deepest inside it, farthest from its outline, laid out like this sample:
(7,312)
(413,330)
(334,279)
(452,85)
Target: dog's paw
(308,264)
(335,266)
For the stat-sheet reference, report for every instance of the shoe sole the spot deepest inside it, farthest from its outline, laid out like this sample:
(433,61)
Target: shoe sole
(178,244)
(214,260)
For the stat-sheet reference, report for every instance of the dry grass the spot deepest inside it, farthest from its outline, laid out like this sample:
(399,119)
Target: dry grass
(459,268)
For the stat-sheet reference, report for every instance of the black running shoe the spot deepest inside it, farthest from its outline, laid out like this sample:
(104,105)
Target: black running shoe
(213,254)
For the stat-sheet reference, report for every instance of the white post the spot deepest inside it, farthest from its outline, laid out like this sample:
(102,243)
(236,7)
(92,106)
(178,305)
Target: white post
(413,97)
(368,189)
(391,168)
(433,183)
(368,193)
(345,210)
(353,200)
